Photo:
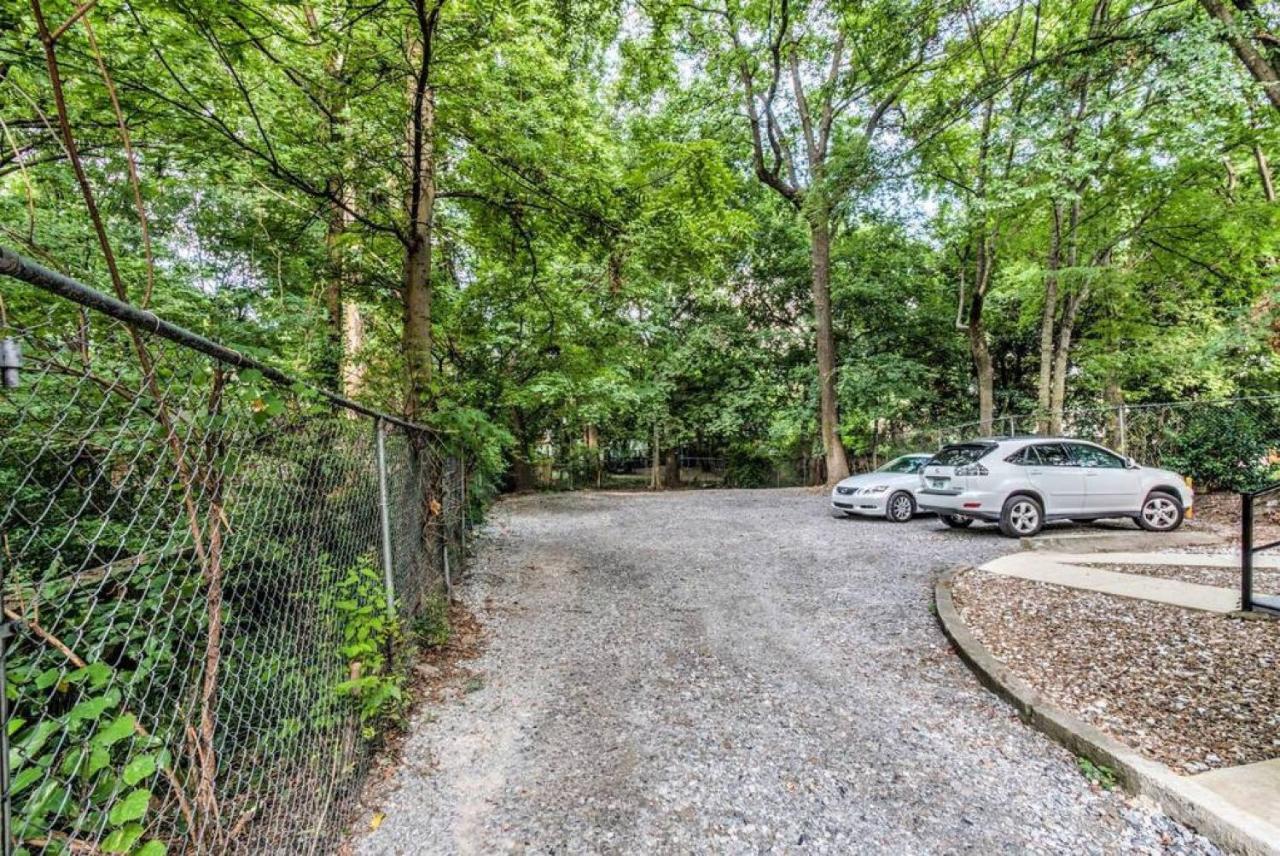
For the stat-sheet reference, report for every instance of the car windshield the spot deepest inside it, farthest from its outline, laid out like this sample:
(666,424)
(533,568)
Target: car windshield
(905,464)
(961,454)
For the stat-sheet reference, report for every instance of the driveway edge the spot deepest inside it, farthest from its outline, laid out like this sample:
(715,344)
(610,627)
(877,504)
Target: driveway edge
(1178,796)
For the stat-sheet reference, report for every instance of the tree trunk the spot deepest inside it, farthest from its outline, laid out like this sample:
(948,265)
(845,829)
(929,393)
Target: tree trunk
(984,375)
(417,260)
(655,461)
(1048,315)
(597,461)
(1263,71)
(671,469)
(352,343)
(820,250)
(1062,359)
(1264,172)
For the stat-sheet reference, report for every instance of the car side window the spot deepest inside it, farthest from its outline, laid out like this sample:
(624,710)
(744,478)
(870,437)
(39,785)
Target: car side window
(1092,456)
(1024,457)
(1054,455)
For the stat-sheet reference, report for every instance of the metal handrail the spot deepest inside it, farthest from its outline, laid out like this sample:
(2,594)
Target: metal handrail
(21,268)
(1248,549)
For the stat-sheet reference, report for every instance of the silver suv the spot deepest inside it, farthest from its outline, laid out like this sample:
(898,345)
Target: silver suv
(1022,482)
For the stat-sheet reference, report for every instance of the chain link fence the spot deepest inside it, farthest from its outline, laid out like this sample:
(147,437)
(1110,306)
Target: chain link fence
(209,578)
(1228,443)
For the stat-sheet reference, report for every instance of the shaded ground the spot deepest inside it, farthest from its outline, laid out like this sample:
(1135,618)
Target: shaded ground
(731,671)
(1195,690)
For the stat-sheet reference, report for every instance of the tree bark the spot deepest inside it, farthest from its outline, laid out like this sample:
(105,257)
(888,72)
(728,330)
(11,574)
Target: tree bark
(820,254)
(1048,315)
(417,260)
(1264,172)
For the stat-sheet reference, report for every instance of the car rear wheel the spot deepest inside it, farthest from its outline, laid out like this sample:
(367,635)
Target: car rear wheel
(956,521)
(1161,512)
(900,508)
(1021,517)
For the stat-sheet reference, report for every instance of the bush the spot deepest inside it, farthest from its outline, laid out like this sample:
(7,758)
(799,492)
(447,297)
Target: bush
(748,468)
(1223,449)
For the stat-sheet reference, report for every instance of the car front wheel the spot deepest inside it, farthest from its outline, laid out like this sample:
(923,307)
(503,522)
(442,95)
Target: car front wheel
(1021,517)
(956,521)
(1162,512)
(900,508)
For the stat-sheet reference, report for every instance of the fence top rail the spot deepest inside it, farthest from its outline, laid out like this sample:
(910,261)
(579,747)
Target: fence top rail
(21,268)
(1260,492)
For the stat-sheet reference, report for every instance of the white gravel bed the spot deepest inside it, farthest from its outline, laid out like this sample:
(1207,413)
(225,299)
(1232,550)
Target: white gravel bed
(1195,690)
(732,672)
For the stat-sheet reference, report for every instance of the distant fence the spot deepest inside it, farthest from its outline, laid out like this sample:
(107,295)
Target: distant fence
(208,571)
(1230,443)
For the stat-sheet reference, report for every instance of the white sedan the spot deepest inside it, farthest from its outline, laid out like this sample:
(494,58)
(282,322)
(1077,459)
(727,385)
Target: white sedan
(887,492)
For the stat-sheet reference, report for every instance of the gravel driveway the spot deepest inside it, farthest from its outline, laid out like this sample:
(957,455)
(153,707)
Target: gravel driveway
(732,671)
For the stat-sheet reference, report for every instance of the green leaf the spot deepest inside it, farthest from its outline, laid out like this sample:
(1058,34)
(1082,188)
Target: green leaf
(119,728)
(132,807)
(98,759)
(25,779)
(152,848)
(120,840)
(92,708)
(141,767)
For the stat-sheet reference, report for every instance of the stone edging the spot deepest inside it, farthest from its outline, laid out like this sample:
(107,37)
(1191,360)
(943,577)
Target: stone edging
(1178,796)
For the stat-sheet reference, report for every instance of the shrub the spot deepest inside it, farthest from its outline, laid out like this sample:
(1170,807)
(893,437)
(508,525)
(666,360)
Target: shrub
(1223,449)
(748,468)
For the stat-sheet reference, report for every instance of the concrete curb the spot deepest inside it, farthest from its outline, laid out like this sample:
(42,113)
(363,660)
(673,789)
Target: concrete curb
(1100,540)
(1179,797)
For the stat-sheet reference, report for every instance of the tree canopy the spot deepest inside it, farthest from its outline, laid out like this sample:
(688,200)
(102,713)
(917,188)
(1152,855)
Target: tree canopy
(769,231)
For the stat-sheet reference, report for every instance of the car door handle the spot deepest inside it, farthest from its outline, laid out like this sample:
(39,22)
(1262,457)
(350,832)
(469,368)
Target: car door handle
(1036,472)
(1091,475)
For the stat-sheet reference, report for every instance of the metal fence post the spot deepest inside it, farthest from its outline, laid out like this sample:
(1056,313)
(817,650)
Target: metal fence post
(384,515)
(1122,423)
(1246,552)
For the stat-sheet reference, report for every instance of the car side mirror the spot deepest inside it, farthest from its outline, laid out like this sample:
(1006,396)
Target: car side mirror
(1131,464)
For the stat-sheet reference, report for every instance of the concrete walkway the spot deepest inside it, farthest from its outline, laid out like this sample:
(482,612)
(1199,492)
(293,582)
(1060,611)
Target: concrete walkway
(1254,788)
(1071,570)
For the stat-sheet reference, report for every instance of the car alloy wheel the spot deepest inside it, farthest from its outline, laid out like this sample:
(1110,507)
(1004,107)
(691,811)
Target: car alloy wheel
(1024,517)
(1160,512)
(900,508)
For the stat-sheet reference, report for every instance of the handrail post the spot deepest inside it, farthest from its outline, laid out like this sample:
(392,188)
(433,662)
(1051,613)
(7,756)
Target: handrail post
(1246,552)
(384,516)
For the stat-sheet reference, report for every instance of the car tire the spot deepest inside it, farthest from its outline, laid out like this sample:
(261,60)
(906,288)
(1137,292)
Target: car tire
(900,507)
(1161,512)
(956,521)
(1021,517)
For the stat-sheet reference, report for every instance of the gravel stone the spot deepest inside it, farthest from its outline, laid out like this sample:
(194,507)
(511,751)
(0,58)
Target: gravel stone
(1194,690)
(732,672)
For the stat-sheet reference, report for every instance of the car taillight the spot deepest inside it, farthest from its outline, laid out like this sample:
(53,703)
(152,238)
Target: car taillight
(972,470)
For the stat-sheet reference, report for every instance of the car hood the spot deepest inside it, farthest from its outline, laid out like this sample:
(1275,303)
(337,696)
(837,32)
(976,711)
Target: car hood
(890,479)
(1157,473)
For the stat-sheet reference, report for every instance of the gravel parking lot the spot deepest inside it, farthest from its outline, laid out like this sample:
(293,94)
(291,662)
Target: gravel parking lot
(731,671)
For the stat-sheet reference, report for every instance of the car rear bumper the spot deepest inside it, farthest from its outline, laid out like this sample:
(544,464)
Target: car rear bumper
(979,505)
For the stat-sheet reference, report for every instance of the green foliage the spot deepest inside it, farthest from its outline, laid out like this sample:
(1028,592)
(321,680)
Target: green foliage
(370,640)
(747,467)
(1099,774)
(1225,448)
